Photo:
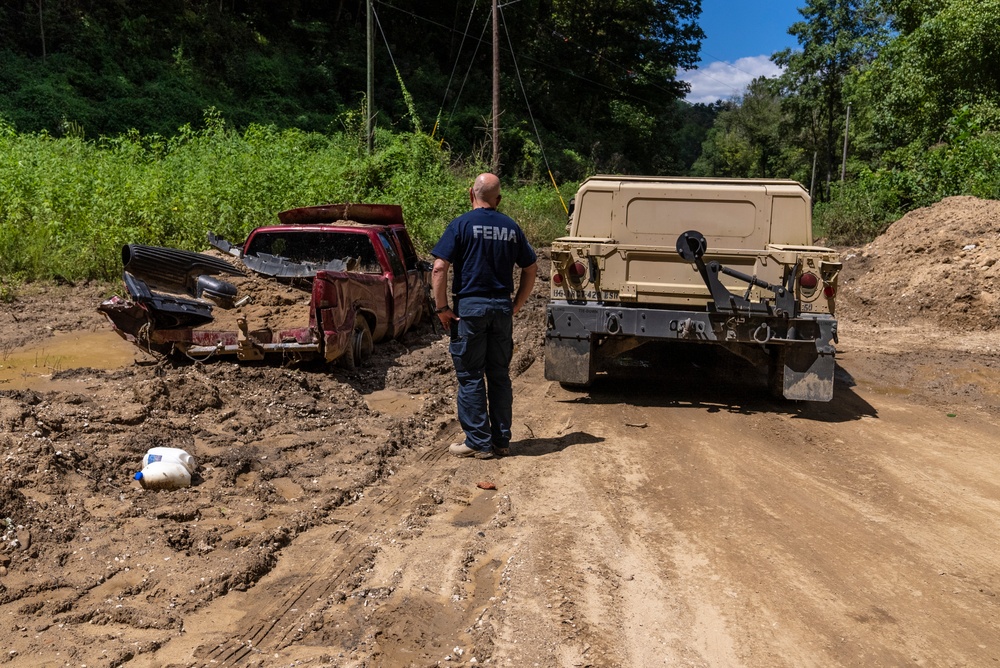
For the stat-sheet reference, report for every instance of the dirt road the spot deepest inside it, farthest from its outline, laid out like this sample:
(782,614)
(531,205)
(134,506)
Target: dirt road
(673,515)
(640,524)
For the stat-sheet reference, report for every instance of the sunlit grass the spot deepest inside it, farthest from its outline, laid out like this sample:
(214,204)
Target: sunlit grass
(68,205)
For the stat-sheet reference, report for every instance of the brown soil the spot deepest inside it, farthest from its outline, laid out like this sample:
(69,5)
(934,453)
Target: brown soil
(273,305)
(669,516)
(937,265)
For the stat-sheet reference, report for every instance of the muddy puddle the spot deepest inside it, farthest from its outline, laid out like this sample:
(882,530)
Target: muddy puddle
(394,402)
(31,367)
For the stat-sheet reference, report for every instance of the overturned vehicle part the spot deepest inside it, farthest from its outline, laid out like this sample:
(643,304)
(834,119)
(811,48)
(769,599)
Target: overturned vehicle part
(172,270)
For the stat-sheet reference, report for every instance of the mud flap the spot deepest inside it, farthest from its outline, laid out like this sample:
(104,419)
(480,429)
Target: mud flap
(807,374)
(569,361)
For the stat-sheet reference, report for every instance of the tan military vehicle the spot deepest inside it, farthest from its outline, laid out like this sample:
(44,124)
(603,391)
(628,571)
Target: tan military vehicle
(723,262)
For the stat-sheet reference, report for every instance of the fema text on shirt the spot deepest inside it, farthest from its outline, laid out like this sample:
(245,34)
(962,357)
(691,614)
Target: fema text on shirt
(494,233)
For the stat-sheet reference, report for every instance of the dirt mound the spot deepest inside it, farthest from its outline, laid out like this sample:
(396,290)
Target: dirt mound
(274,304)
(937,265)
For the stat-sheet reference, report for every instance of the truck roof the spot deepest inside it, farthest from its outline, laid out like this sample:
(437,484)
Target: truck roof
(692,180)
(372,214)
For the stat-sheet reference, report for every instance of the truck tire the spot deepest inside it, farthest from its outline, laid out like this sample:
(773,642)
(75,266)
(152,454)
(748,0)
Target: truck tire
(361,345)
(361,342)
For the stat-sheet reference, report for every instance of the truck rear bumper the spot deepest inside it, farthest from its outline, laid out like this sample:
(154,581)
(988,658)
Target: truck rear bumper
(802,347)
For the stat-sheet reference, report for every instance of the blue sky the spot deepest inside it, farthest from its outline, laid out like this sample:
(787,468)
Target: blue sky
(740,36)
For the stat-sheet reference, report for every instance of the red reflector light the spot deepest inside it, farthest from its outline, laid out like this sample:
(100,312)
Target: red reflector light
(808,281)
(577,270)
(557,279)
(829,291)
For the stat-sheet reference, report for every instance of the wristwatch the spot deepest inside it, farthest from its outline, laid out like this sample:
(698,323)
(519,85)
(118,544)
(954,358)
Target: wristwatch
(442,309)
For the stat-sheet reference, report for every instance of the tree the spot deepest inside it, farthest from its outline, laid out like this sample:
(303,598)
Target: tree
(836,37)
(943,68)
(748,140)
(696,122)
(595,78)
(602,75)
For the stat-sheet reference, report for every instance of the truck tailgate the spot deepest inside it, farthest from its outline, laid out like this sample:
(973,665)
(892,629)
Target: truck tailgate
(649,275)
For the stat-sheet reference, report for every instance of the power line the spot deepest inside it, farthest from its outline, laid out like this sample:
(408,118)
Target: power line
(479,42)
(542,63)
(534,125)
(460,46)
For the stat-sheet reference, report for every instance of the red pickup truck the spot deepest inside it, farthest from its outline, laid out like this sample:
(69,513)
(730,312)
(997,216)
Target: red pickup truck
(327,283)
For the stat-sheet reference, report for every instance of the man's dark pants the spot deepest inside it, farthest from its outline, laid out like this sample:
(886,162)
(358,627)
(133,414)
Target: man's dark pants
(481,347)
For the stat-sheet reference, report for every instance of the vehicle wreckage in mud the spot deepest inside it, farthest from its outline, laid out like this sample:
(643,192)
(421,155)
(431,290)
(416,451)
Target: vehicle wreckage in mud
(350,275)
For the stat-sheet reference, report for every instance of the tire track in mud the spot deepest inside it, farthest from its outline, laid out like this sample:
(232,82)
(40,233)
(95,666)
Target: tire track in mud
(279,607)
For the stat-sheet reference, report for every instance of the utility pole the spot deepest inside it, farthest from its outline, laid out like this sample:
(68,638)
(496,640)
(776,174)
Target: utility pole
(496,90)
(41,27)
(369,106)
(843,159)
(812,184)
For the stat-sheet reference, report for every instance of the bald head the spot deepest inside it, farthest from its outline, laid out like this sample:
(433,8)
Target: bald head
(486,191)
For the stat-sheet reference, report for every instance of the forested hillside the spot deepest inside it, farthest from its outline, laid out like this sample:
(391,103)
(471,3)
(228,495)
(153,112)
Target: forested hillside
(594,82)
(887,105)
(153,122)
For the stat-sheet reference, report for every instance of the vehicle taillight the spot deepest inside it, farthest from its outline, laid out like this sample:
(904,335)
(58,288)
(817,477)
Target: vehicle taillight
(808,281)
(829,291)
(557,279)
(577,270)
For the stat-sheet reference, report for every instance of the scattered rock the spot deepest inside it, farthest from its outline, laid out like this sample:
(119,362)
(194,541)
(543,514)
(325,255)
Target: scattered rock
(936,265)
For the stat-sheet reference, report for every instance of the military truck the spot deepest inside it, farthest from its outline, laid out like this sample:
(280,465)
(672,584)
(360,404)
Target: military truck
(718,262)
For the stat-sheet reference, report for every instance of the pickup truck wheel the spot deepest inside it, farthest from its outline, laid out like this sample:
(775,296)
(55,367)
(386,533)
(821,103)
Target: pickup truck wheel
(361,343)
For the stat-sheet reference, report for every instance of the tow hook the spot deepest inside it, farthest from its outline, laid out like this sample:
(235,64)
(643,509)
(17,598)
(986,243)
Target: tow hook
(247,349)
(763,333)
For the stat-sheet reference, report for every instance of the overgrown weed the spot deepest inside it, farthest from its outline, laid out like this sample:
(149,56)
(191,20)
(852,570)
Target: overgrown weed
(69,204)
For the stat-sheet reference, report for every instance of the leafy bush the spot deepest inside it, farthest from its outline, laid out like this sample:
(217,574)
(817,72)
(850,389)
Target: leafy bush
(860,210)
(968,163)
(67,205)
(539,209)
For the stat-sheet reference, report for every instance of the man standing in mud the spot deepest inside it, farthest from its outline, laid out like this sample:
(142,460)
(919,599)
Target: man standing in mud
(483,245)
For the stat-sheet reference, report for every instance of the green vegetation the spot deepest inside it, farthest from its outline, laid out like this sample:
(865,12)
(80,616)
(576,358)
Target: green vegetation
(69,204)
(105,138)
(922,81)
(594,82)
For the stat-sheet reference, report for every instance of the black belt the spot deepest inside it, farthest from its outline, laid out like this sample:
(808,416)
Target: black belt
(486,295)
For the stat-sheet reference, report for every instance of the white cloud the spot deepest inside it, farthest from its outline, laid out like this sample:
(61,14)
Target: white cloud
(721,80)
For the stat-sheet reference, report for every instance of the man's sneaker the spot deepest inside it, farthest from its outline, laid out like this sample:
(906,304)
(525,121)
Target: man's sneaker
(501,452)
(462,450)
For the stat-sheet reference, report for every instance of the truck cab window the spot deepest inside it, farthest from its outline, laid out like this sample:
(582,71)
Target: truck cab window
(390,249)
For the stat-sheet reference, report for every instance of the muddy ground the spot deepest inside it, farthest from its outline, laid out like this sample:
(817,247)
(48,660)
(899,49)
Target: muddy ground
(672,515)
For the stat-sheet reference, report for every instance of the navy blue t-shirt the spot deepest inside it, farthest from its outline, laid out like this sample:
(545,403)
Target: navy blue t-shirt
(483,245)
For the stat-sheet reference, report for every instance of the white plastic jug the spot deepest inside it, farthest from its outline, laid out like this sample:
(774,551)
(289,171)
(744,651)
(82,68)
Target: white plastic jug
(175,455)
(164,475)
